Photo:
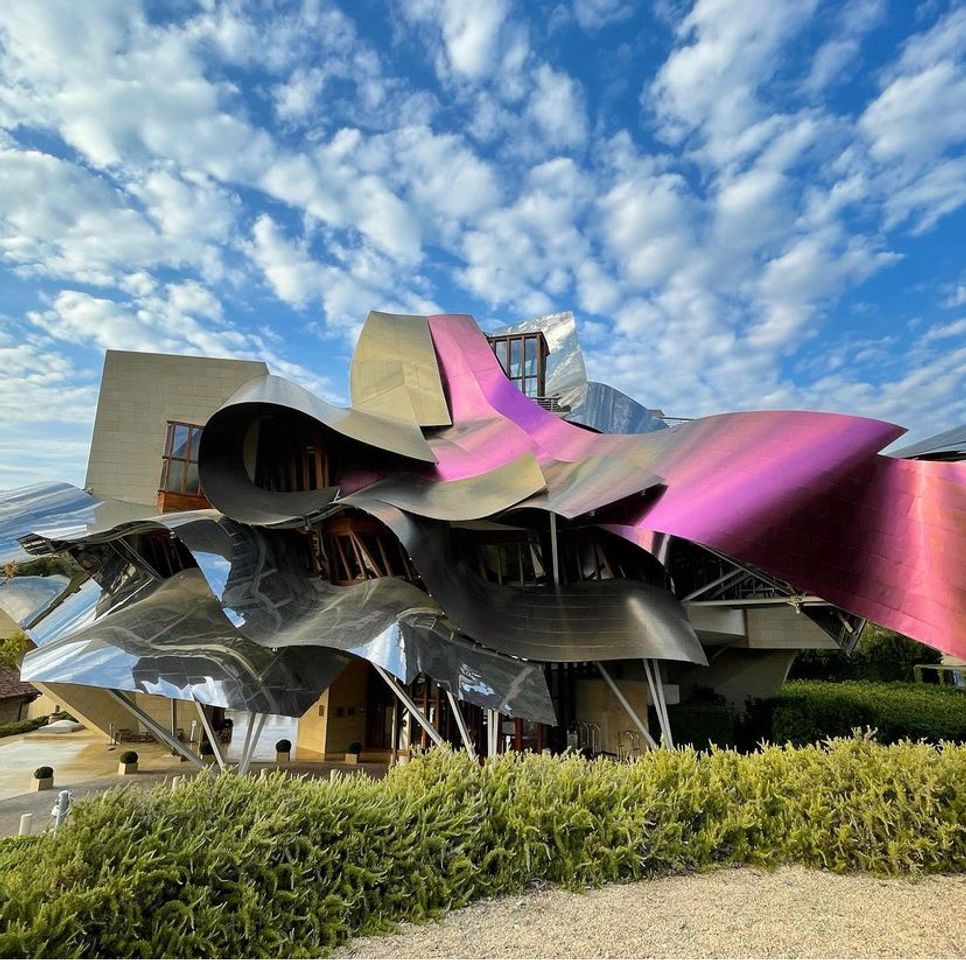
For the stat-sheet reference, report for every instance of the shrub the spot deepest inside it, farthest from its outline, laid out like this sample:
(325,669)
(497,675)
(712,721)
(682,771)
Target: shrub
(42,773)
(354,747)
(881,655)
(129,756)
(807,711)
(240,866)
(207,750)
(16,727)
(701,723)
(283,746)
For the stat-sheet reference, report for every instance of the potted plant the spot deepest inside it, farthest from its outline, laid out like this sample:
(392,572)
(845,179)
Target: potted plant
(283,751)
(352,752)
(128,763)
(44,778)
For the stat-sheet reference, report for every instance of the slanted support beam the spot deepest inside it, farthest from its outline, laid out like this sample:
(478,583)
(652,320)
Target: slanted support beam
(155,728)
(255,725)
(409,704)
(212,737)
(657,696)
(635,719)
(461,723)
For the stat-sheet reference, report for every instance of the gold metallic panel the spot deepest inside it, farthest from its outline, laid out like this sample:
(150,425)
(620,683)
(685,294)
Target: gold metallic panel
(471,498)
(394,371)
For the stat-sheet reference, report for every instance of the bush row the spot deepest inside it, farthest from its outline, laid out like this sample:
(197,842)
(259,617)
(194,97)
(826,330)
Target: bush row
(228,866)
(21,726)
(807,711)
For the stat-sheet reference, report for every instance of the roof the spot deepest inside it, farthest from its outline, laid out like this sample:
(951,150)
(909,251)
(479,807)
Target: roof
(942,444)
(12,687)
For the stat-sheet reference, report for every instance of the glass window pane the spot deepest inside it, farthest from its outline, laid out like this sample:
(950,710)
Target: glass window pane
(532,387)
(179,446)
(195,442)
(516,360)
(530,345)
(192,484)
(162,480)
(501,354)
(175,476)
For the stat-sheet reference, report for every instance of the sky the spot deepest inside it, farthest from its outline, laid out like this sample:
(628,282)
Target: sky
(746,203)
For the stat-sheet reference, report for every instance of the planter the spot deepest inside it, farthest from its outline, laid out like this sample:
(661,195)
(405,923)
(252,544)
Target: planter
(283,756)
(43,783)
(126,769)
(352,758)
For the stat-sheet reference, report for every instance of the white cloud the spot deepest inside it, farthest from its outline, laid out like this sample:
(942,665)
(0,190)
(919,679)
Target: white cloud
(556,106)
(468,31)
(709,85)
(594,14)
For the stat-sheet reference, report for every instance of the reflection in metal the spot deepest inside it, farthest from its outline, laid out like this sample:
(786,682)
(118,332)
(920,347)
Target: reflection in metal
(948,445)
(394,372)
(605,620)
(26,599)
(587,402)
(471,498)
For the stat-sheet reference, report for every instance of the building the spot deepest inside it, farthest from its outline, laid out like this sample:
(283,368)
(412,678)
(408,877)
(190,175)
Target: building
(486,547)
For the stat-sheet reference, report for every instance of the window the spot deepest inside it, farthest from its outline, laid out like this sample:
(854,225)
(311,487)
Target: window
(179,466)
(523,357)
(292,455)
(352,548)
(505,557)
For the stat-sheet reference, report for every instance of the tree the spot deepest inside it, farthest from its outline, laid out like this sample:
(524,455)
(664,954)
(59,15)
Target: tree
(13,650)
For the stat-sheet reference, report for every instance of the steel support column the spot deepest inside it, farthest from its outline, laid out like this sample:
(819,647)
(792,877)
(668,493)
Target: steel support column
(461,723)
(155,728)
(409,704)
(635,719)
(212,738)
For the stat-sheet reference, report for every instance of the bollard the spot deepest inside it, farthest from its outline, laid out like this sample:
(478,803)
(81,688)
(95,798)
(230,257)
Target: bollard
(174,782)
(61,808)
(26,822)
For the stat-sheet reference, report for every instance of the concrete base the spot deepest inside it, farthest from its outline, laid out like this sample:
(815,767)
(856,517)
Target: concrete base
(126,769)
(352,758)
(283,757)
(46,783)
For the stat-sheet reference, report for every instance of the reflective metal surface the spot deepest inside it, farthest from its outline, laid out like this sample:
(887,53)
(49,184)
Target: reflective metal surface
(589,402)
(802,495)
(394,372)
(602,620)
(948,445)
(174,641)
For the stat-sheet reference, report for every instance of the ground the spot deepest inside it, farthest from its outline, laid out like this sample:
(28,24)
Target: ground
(85,762)
(792,912)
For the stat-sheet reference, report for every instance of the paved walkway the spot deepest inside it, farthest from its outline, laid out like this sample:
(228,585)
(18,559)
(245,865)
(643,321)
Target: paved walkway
(84,762)
(792,912)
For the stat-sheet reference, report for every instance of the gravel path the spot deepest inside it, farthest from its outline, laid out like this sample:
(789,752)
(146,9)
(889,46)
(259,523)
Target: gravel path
(792,912)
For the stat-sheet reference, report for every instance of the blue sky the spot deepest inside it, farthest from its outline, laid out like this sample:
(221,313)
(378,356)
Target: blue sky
(747,203)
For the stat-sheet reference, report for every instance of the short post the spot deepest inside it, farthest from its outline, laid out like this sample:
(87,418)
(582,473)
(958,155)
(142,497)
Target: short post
(26,824)
(174,782)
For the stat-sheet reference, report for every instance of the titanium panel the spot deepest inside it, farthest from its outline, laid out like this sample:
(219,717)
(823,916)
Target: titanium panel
(470,498)
(949,445)
(601,620)
(804,496)
(174,641)
(394,372)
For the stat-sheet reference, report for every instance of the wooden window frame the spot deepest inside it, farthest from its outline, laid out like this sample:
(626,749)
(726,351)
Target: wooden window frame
(539,341)
(169,457)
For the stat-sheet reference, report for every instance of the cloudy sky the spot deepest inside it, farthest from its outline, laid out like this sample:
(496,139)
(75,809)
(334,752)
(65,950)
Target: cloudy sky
(747,203)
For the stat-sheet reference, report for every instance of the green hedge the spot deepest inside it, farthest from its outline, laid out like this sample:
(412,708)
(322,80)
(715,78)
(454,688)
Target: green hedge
(21,726)
(806,711)
(228,866)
